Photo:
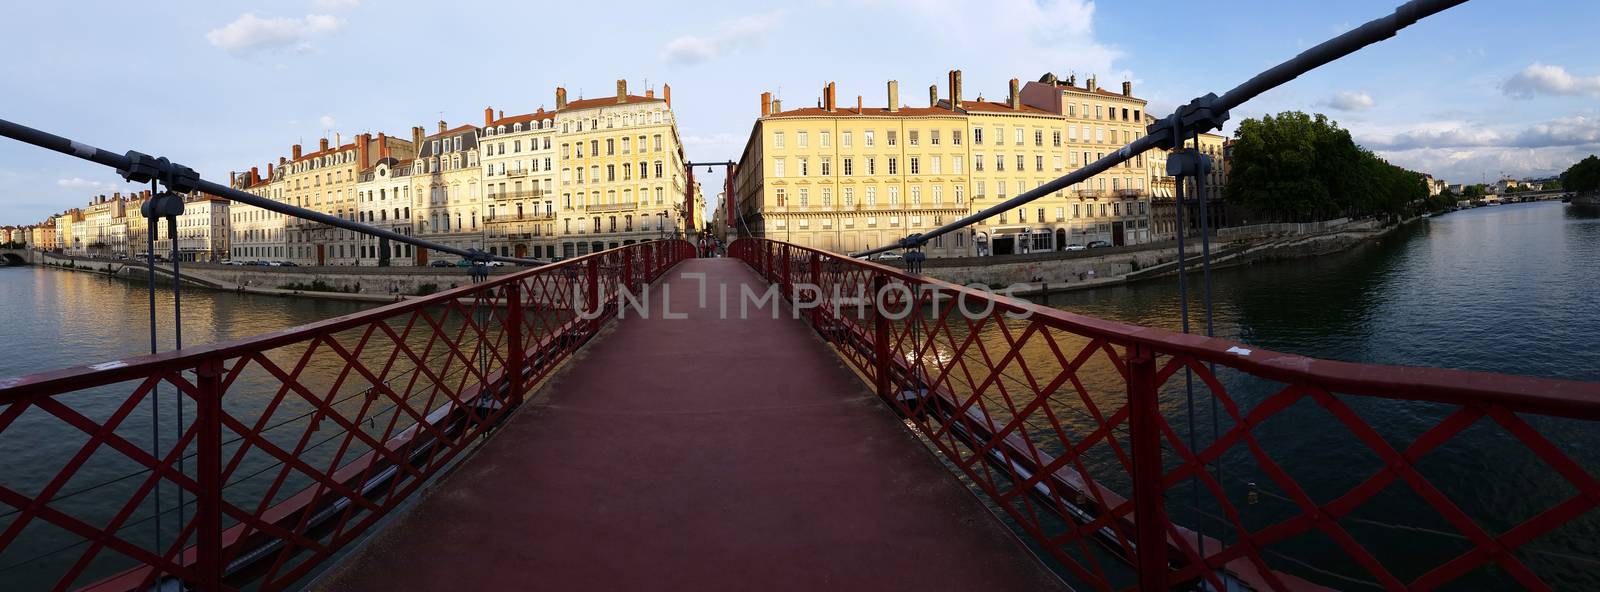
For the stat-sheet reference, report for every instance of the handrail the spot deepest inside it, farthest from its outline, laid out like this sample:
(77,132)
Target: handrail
(1203,114)
(458,362)
(989,388)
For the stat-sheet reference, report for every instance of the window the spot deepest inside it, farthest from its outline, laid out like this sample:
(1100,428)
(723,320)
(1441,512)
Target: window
(1018,135)
(933,137)
(1038,137)
(826,138)
(872,196)
(827,197)
(827,166)
(868,137)
(849,196)
(959,190)
(777,167)
(893,137)
(893,165)
(936,165)
(805,197)
(872,166)
(847,168)
(911,137)
(804,167)
(916,169)
(977,136)
(800,139)
(1055,138)
(977,162)
(1038,163)
(844,139)
(955,166)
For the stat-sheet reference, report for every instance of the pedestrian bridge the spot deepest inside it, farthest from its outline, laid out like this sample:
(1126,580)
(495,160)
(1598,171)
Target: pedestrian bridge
(785,418)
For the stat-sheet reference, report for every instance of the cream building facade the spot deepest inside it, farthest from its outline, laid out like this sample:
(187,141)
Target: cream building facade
(519,161)
(621,174)
(849,179)
(446,191)
(257,234)
(384,194)
(324,181)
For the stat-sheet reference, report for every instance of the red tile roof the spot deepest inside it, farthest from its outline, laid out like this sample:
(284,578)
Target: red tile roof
(605,101)
(455,130)
(304,157)
(524,118)
(995,107)
(866,112)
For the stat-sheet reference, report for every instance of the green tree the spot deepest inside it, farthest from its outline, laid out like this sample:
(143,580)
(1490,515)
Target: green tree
(1583,177)
(1295,166)
(1473,191)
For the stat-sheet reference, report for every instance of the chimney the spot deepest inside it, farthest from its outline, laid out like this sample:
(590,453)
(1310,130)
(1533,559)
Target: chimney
(1127,89)
(829,103)
(383,146)
(1091,84)
(933,95)
(766,104)
(442,126)
(363,148)
(416,137)
(858,104)
(1014,100)
(894,96)
(322,145)
(269,171)
(233,178)
(666,94)
(777,106)
(955,89)
(488,116)
(561,98)
(649,93)
(255,175)
(622,91)
(295,152)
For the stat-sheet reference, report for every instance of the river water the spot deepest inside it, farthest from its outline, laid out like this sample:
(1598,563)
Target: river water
(1509,289)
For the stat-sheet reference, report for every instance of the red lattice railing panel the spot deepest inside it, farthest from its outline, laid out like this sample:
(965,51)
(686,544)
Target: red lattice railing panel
(289,445)
(1259,470)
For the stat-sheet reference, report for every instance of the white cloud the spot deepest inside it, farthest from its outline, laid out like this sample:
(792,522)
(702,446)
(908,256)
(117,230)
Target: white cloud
(250,33)
(1348,100)
(730,36)
(332,5)
(1572,131)
(82,183)
(1546,79)
(326,121)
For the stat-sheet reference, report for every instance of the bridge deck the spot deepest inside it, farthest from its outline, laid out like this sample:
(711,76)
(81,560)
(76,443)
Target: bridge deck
(698,454)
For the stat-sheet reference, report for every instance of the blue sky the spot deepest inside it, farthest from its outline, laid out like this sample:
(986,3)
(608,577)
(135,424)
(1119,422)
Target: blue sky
(1486,88)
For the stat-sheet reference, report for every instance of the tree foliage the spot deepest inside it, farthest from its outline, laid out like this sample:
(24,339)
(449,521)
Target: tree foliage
(1583,177)
(1297,167)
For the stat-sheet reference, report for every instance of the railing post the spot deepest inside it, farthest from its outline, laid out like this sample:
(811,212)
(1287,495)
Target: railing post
(786,252)
(880,338)
(208,474)
(627,269)
(517,356)
(592,291)
(816,280)
(1144,433)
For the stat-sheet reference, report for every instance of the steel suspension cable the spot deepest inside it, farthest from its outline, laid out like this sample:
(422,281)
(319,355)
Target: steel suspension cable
(155,390)
(1203,114)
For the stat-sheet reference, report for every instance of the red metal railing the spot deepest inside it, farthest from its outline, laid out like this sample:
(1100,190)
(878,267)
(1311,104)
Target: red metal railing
(298,441)
(1077,430)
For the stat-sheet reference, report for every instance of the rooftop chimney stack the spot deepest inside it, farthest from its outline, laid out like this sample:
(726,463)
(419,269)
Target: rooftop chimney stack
(650,93)
(766,104)
(894,96)
(1127,89)
(363,149)
(561,98)
(416,137)
(858,104)
(933,95)
(828,103)
(622,91)
(1014,99)
(322,145)
(955,89)
(269,171)
(442,126)
(1091,84)
(383,146)
(233,178)
(295,152)
(255,174)
(777,106)
(666,94)
(488,116)
(500,114)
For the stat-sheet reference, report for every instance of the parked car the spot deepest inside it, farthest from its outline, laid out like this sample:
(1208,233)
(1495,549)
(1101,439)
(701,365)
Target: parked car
(889,256)
(288,264)
(1098,244)
(441,263)
(497,264)
(463,263)
(274,264)
(231,262)
(1074,247)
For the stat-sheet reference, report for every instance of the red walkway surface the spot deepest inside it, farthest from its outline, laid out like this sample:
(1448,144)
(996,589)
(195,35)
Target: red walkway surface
(692,455)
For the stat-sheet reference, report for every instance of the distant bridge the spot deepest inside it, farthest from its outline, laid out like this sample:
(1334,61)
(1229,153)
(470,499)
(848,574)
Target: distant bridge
(10,257)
